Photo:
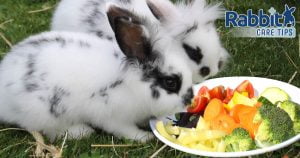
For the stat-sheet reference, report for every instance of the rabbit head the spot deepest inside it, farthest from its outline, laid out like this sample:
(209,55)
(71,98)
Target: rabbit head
(154,70)
(192,26)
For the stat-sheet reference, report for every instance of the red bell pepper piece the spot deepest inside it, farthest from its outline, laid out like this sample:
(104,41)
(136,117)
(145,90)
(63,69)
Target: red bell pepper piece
(199,104)
(246,86)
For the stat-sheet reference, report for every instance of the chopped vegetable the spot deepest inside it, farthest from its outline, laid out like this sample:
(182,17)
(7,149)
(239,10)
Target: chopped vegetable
(276,126)
(239,110)
(161,129)
(293,109)
(224,123)
(238,98)
(228,95)
(264,101)
(239,140)
(204,92)
(199,104)
(275,94)
(217,92)
(213,109)
(244,115)
(186,119)
(201,138)
(246,121)
(246,86)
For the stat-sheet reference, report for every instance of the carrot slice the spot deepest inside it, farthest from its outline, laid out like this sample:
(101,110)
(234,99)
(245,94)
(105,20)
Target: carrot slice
(239,110)
(224,123)
(213,109)
(246,121)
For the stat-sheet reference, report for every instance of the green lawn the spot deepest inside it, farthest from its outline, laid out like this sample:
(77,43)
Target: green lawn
(272,58)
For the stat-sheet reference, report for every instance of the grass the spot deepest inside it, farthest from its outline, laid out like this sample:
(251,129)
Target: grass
(272,58)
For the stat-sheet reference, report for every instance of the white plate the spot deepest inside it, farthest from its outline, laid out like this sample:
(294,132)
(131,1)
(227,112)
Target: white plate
(259,84)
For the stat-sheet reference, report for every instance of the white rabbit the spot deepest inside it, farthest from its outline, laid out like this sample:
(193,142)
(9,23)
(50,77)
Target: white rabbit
(191,26)
(62,81)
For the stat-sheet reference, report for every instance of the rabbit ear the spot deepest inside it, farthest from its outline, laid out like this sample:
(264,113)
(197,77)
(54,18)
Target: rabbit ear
(163,10)
(286,7)
(129,33)
(292,9)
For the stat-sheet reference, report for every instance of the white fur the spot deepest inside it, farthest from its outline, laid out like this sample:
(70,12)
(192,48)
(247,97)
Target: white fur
(81,67)
(70,15)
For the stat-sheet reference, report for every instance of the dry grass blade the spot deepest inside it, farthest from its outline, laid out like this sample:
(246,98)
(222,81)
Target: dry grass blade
(12,129)
(41,147)
(40,10)
(288,57)
(115,151)
(158,151)
(64,142)
(292,78)
(112,145)
(5,22)
(251,72)
(10,146)
(5,40)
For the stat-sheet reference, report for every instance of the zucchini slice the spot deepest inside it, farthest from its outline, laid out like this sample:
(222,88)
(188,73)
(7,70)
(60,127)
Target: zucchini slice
(275,94)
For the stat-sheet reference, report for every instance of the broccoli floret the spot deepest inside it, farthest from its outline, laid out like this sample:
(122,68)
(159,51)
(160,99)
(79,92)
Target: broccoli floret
(276,126)
(293,109)
(239,140)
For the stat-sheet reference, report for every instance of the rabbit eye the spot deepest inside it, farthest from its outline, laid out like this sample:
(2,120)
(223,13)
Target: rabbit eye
(171,83)
(193,53)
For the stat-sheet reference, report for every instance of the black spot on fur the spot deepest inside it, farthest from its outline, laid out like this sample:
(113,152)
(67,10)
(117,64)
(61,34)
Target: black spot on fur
(41,41)
(193,53)
(30,65)
(125,1)
(187,98)
(204,71)
(116,55)
(93,95)
(191,29)
(43,76)
(115,84)
(30,82)
(99,34)
(103,92)
(84,44)
(42,99)
(58,40)
(94,14)
(154,92)
(56,108)
(109,38)
(31,87)
(9,84)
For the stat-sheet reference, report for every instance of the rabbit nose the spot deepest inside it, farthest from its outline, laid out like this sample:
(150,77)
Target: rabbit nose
(187,97)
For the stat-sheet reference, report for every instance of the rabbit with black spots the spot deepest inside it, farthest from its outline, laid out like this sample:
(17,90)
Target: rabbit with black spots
(190,24)
(64,81)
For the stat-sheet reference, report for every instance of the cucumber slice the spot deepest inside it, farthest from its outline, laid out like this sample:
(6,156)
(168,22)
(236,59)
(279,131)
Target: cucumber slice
(275,94)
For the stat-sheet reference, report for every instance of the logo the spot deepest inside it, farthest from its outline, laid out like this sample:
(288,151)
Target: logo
(262,24)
